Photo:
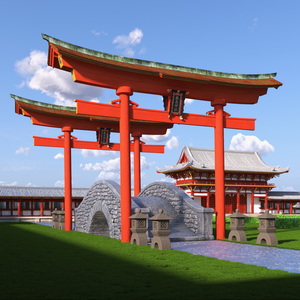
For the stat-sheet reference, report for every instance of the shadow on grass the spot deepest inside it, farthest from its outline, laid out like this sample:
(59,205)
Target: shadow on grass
(38,262)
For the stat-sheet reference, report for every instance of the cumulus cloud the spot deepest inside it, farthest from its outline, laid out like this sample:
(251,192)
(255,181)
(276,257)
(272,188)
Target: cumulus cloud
(55,83)
(97,153)
(23,150)
(148,138)
(58,156)
(172,143)
(110,169)
(241,142)
(127,42)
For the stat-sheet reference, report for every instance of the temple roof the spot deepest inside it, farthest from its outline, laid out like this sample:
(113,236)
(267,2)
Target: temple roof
(39,192)
(98,68)
(284,195)
(235,161)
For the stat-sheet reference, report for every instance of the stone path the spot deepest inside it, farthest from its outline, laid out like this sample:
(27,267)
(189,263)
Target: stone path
(270,257)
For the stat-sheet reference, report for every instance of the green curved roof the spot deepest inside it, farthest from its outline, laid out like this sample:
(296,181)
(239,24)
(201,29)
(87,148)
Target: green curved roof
(152,64)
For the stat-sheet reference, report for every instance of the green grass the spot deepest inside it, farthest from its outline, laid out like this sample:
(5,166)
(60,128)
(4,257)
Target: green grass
(39,262)
(287,238)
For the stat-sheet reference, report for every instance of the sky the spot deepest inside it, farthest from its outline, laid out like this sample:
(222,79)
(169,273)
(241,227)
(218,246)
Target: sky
(234,36)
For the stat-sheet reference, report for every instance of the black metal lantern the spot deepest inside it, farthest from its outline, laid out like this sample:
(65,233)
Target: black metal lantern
(103,136)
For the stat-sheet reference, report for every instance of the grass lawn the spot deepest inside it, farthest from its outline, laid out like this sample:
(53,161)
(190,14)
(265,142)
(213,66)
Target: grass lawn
(39,262)
(287,238)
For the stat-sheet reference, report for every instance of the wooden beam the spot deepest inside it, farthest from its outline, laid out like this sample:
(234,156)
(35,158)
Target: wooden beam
(151,115)
(76,144)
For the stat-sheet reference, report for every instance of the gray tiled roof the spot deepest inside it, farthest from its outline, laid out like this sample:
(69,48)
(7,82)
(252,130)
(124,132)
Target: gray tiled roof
(41,192)
(239,161)
(284,195)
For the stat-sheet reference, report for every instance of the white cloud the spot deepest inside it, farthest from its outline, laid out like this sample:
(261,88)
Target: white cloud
(126,42)
(98,33)
(188,101)
(59,183)
(3,183)
(241,142)
(55,83)
(58,156)
(172,143)
(148,138)
(110,169)
(97,153)
(23,150)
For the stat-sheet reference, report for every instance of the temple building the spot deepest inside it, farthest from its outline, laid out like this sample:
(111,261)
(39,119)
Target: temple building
(246,180)
(17,201)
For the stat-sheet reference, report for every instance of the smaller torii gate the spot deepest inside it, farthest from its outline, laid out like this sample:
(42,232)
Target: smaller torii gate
(65,118)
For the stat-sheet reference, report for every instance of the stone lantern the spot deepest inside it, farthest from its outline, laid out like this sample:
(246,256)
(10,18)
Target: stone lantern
(61,219)
(55,218)
(237,226)
(139,228)
(266,229)
(161,231)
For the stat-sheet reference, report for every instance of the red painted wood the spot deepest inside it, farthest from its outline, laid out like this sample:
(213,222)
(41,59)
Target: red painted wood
(77,144)
(151,115)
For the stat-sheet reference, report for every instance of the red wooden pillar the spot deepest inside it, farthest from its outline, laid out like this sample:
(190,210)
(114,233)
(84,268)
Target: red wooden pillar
(19,209)
(291,207)
(125,181)
(137,165)
(266,202)
(67,177)
(41,208)
(219,168)
(238,200)
(278,207)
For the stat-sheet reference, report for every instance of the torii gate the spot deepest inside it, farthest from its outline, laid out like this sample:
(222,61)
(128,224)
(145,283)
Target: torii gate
(127,75)
(65,118)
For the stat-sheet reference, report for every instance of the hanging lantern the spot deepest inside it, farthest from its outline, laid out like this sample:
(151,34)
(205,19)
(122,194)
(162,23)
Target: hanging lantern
(103,136)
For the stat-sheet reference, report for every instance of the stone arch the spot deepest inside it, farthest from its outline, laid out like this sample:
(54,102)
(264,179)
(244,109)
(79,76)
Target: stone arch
(99,211)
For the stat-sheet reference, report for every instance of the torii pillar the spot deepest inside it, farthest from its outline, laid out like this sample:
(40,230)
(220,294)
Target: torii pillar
(219,168)
(67,177)
(124,92)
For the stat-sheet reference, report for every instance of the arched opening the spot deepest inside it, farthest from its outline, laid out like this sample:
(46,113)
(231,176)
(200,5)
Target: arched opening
(233,238)
(263,241)
(156,246)
(99,224)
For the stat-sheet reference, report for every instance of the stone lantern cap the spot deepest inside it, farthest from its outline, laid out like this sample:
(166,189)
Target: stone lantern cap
(138,214)
(160,216)
(267,215)
(237,214)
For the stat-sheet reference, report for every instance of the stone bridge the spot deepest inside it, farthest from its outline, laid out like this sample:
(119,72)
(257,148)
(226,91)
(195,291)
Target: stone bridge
(99,211)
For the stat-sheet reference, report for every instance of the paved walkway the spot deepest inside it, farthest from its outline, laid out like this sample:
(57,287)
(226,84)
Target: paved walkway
(270,257)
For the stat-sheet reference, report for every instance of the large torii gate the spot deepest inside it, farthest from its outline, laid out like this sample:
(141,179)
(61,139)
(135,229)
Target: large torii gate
(127,75)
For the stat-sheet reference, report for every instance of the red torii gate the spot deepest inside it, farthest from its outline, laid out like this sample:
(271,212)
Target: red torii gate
(65,118)
(127,75)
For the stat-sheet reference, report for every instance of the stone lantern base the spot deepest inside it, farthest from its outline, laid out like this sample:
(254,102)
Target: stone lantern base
(237,235)
(161,243)
(139,238)
(268,238)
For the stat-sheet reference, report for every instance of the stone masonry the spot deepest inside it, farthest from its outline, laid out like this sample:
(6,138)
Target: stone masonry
(99,212)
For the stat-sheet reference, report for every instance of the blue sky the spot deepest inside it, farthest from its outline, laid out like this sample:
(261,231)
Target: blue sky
(248,37)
